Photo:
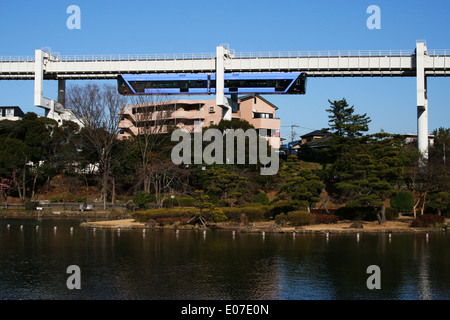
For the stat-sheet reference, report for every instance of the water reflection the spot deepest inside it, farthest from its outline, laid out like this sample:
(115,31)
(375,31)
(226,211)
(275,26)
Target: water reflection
(133,264)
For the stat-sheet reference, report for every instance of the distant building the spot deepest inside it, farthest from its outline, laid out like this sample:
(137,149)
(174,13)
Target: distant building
(57,112)
(311,139)
(314,135)
(13,113)
(183,113)
(412,138)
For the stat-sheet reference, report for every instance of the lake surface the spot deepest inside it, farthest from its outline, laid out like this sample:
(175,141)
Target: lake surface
(163,265)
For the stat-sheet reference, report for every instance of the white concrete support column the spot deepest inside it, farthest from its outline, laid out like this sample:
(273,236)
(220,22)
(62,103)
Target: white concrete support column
(38,77)
(62,92)
(422,101)
(221,100)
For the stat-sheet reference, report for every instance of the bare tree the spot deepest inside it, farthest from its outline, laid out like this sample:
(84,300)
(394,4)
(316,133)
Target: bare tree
(165,177)
(151,116)
(97,108)
(426,178)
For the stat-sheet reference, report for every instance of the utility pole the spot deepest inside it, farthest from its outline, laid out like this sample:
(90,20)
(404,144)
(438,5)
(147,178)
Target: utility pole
(293,133)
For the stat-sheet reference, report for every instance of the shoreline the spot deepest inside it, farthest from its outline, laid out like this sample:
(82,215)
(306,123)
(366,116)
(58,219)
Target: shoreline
(108,220)
(341,227)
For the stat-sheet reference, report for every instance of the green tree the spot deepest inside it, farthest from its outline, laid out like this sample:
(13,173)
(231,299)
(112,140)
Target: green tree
(365,175)
(201,201)
(221,181)
(301,186)
(344,122)
(403,201)
(441,146)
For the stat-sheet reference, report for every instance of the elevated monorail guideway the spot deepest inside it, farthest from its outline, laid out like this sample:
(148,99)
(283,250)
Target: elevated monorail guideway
(420,63)
(202,83)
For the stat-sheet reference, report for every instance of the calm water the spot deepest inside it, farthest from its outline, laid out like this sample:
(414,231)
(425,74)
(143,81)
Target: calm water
(162,265)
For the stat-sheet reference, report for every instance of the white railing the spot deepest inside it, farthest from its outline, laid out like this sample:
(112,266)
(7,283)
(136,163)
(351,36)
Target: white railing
(439,52)
(137,57)
(239,55)
(329,53)
(17,59)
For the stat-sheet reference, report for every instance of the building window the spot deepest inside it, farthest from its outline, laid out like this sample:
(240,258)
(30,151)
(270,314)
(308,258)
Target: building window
(259,115)
(266,132)
(211,123)
(9,113)
(211,109)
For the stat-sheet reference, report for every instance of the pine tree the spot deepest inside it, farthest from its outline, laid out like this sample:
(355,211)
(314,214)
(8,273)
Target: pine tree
(344,122)
(301,186)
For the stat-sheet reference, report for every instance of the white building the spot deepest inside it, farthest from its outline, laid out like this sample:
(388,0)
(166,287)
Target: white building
(13,113)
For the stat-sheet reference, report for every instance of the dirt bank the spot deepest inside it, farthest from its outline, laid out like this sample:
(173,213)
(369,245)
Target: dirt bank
(401,225)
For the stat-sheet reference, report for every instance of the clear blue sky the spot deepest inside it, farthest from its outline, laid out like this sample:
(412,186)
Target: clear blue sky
(178,26)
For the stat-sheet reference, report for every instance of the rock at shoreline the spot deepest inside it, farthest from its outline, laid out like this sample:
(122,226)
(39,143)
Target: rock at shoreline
(356,225)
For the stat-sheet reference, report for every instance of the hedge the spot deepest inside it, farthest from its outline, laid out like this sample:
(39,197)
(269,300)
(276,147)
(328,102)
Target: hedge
(253,213)
(232,213)
(357,213)
(280,207)
(325,218)
(365,213)
(300,218)
(427,220)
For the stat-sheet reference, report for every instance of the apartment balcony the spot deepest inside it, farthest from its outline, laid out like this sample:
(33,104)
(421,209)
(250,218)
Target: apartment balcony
(125,124)
(266,123)
(194,114)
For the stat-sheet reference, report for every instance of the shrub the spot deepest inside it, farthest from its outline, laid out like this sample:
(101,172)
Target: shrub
(81,199)
(179,202)
(212,213)
(427,220)
(280,207)
(281,219)
(185,201)
(300,218)
(403,201)
(357,213)
(252,213)
(262,198)
(141,199)
(56,199)
(325,218)
(31,205)
(391,213)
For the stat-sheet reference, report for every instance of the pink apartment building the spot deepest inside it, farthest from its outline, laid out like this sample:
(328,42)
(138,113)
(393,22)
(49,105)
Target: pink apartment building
(157,116)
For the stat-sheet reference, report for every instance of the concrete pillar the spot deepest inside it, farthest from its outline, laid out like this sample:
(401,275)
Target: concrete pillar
(422,101)
(62,91)
(38,77)
(221,101)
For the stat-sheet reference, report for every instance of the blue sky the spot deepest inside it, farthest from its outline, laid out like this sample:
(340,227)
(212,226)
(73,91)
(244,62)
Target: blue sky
(177,26)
